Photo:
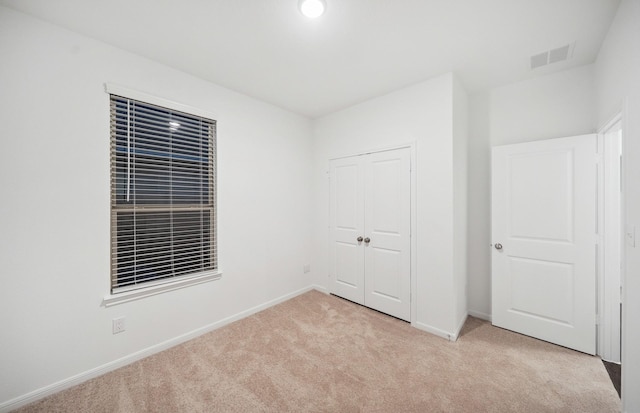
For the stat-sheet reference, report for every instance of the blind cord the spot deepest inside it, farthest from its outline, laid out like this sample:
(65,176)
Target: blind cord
(128,151)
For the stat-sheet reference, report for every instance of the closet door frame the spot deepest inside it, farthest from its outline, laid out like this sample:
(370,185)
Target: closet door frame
(413,207)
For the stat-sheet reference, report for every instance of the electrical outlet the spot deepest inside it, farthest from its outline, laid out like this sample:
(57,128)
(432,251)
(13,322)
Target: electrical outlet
(118,325)
(306,268)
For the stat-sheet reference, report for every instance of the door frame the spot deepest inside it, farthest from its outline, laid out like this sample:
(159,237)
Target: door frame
(609,322)
(413,218)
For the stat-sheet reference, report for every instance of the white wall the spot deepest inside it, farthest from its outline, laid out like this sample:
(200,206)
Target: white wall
(54,214)
(479,210)
(423,114)
(553,106)
(460,196)
(618,88)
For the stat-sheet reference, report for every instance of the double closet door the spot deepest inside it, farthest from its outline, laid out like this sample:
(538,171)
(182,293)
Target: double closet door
(369,234)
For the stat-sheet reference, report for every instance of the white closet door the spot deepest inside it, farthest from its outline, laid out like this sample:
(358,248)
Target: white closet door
(387,225)
(543,229)
(346,225)
(370,240)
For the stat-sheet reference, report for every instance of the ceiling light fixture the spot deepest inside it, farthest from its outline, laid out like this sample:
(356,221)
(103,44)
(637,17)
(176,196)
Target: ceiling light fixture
(312,8)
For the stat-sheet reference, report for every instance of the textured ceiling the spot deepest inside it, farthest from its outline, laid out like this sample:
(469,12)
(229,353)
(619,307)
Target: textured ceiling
(357,50)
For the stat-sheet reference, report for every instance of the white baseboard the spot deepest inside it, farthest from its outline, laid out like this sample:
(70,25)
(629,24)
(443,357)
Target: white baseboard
(320,288)
(459,328)
(447,335)
(442,333)
(121,362)
(480,315)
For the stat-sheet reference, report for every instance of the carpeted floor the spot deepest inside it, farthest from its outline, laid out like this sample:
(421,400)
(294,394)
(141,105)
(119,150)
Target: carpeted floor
(318,353)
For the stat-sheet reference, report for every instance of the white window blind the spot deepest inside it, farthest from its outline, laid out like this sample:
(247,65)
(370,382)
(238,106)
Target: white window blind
(163,184)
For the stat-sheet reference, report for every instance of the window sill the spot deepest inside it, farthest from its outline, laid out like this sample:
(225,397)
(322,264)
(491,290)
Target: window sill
(147,291)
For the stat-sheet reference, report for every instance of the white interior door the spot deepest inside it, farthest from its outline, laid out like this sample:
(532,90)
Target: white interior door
(347,228)
(544,235)
(369,236)
(388,226)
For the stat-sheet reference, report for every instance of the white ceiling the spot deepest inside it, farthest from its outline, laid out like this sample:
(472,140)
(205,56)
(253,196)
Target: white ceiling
(357,50)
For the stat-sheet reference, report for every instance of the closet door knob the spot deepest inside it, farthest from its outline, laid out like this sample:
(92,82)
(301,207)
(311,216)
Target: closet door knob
(359,239)
(367,240)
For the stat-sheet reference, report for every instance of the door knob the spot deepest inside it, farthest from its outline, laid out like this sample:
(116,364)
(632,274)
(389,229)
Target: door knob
(367,240)
(498,246)
(359,239)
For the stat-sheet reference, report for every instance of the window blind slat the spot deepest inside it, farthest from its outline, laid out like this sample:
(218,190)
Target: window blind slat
(167,275)
(151,112)
(157,248)
(146,137)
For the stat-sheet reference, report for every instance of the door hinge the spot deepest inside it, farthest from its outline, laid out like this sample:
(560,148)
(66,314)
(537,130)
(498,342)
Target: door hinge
(597,319)
(621,294)
(620,173)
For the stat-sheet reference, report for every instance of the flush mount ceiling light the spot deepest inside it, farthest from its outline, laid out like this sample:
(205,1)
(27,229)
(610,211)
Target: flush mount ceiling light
(312,8)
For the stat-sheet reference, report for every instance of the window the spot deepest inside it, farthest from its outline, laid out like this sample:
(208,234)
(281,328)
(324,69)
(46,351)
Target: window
(163,187)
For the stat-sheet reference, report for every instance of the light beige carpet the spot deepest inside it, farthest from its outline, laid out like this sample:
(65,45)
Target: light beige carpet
(318,353)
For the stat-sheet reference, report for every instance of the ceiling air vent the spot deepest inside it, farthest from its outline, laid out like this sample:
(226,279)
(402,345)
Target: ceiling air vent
(552,56)
(539,60)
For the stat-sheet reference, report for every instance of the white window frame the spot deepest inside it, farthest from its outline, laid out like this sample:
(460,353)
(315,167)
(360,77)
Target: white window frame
(161,286)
